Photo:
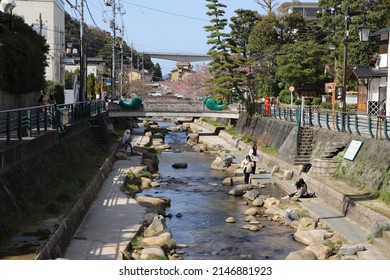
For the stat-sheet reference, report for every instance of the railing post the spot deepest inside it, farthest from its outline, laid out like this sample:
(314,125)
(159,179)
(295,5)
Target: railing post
(348,123)
(370,127)
(327,120)
(319,119)
(45,118)
(38,114)
(337,122)
(385,130)
(20,137)
(29,128)
(8,128)
(357,125)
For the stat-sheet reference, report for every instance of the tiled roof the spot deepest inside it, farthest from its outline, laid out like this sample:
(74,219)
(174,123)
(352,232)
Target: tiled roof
(363,72)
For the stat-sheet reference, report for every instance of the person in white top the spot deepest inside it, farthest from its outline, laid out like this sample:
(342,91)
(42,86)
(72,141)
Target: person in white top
(247,167)
(253,154)
(126,140)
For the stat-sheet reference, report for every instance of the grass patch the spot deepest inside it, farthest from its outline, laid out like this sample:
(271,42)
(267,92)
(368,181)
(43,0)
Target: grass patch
(384,195)
(232,131)
(335,245)
(272,151)
(213,122)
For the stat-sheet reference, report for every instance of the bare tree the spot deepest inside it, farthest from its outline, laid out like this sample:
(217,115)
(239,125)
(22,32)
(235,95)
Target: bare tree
(267,5)
(136,87)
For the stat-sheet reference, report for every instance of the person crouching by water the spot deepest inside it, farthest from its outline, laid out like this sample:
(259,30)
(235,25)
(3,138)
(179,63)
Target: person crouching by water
(126,141)
(247,167)
(253,154)
(301,191)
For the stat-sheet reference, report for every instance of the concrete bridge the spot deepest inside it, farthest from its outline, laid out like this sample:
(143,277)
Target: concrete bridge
(169,108)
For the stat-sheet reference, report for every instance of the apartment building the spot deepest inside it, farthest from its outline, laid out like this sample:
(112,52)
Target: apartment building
(47,17)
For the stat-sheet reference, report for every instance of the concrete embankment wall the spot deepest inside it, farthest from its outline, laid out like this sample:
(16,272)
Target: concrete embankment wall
(369,170)
(60,240)
(32,168)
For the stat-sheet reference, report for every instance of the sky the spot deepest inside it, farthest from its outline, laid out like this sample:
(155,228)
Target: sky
(175,26)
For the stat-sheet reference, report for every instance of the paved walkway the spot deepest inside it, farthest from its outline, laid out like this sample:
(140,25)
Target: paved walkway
(111,222)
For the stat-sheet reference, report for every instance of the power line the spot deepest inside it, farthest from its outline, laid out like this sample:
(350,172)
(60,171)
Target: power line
(89,11)
(165,12)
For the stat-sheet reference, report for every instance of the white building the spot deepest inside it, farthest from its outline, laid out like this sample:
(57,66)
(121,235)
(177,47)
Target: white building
(47,17)
(374,80)
(308,10)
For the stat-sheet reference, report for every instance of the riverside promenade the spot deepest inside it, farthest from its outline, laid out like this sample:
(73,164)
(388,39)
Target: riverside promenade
(114,219)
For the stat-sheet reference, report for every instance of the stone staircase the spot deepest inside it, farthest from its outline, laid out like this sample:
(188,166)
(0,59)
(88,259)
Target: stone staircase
(96,131)
(304,146)
(326,164)
(378,249)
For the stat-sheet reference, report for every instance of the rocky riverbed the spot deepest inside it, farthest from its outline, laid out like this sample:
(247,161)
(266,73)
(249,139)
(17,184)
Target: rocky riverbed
(156,241)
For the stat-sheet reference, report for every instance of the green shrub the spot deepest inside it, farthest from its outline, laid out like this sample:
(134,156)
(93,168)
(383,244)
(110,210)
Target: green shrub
(285,96)
(317,101)
(326,105)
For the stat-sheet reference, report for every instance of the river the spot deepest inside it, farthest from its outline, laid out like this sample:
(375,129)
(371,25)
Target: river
(197,193)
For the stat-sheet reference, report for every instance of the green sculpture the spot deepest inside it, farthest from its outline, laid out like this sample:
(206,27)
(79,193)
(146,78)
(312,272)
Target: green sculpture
(134,103)
(212,104)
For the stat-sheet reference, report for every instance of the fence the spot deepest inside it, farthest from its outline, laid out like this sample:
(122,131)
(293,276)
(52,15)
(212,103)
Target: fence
(32,121)
(373,126)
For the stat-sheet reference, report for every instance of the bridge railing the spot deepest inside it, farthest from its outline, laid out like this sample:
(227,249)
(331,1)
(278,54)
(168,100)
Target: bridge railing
(373,126)
(32,121)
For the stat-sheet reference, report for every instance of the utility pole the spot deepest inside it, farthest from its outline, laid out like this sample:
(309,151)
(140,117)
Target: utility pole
(40,24)
(83,76)
(112,3)
(122,12)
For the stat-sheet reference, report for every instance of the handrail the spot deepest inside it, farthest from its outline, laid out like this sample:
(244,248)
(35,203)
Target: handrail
(30,121)
(355,123)
(18,123)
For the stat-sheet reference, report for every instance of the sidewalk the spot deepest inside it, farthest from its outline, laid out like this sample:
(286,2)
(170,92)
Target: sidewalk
(111,222)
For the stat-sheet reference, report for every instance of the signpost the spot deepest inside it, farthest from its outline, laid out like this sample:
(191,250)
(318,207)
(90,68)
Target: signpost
(291,89)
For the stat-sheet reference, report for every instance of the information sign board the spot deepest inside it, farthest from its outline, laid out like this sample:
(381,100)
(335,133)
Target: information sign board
(353,149)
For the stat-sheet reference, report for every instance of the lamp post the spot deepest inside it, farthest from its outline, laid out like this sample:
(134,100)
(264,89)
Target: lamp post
(6,7)
(364,34)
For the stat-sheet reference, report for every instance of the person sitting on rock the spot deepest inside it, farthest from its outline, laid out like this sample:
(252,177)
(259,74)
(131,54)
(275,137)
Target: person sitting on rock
(301,191)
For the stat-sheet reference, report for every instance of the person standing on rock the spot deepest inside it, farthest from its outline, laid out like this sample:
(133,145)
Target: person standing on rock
(126,141)
(247,167)
(253,154)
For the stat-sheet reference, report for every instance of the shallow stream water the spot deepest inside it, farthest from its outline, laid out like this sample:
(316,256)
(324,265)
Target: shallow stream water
(198,195)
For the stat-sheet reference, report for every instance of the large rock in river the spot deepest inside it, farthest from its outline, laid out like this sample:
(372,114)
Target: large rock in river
(240,189)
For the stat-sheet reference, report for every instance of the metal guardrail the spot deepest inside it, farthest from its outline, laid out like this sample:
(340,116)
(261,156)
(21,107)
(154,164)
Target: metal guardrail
(32,121)
(373,126)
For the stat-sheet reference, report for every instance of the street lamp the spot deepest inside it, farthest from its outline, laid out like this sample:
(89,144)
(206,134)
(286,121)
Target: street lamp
(364,33)
(6,7)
